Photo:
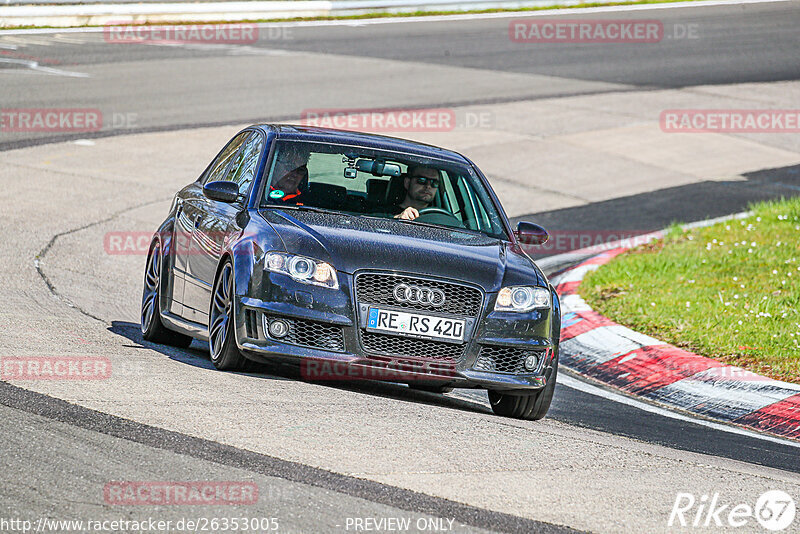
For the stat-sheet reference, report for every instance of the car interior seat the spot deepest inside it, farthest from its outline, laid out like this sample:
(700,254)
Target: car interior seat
(396,190)
(328,196)
(376,192)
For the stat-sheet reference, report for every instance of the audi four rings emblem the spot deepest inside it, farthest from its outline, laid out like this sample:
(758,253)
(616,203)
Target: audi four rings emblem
(419,295)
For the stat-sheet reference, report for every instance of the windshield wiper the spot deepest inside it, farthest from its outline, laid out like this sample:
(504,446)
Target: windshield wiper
(305,208)
(369,216)
(440,226)
(323,210)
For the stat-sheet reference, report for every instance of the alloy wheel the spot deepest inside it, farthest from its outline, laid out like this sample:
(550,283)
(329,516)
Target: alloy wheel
(221,311)
(150,296)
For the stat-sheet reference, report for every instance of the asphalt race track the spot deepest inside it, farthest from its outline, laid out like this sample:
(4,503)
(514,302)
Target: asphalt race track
(569,136)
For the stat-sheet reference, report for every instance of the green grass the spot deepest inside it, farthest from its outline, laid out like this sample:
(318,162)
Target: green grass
(729,291)
(378,15)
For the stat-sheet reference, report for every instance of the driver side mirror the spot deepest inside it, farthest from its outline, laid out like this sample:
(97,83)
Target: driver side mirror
(531,234)
(222,191)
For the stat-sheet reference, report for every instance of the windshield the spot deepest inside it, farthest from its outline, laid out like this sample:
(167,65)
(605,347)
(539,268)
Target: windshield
(362,181)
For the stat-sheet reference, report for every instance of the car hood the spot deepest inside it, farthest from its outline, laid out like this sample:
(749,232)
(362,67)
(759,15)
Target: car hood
(351,243)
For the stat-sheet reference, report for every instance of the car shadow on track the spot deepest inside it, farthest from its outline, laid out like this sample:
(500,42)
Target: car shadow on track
(197,356)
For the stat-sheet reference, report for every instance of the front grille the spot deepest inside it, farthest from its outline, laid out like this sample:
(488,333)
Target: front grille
(378,288)
(406,347)
(499,359)
(311,334)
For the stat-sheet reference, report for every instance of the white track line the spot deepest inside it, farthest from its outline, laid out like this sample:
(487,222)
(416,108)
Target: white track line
(34,65)
(445,18)
(585,387)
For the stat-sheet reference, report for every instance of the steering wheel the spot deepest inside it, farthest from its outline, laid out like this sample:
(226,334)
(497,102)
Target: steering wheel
(439,216)
(423,211)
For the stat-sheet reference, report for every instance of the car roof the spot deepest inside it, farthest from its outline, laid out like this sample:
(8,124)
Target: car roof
(380,142)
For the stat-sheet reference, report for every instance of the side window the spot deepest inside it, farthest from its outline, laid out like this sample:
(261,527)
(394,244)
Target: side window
(218,169)
(483,218)
(244,167)
(450,200)
(468,204)
(476,216)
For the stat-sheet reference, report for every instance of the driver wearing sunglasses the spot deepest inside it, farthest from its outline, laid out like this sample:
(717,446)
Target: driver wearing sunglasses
(421,185)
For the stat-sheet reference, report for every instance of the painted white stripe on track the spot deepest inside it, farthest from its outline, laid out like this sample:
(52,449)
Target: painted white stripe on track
(580,385)
(732,373)
(573,303)
(605,343)
(577,274)
(34,66)
(479,397)
(730,397)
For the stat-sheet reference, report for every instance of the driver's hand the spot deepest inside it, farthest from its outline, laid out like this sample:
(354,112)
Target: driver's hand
(408,214)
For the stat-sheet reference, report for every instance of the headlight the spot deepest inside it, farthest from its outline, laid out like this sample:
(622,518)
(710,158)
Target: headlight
(302,269)
(522,298)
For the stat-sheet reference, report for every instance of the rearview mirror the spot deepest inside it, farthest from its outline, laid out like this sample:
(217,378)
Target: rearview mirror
(222,191)
(531,234)
(378,168)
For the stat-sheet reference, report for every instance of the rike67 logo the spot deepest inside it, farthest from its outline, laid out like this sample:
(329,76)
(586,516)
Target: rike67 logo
(774,510)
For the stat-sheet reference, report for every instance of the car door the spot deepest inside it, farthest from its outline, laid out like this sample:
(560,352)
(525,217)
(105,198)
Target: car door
(189,214)
(218,226)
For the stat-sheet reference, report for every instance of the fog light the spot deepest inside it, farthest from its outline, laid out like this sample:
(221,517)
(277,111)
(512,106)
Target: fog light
(531,362)
(278,328)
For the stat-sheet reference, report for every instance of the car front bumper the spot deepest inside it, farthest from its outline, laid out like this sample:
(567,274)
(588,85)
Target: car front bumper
(321,357)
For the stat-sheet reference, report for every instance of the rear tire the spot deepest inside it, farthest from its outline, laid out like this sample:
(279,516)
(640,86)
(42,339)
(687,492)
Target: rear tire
(152,327)
(532,407)
(225,354)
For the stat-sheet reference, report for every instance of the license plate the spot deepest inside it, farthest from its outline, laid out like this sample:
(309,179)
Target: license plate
(415,324)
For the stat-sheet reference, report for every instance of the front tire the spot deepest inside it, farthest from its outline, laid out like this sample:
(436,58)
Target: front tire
(225,355)
(532,407)
(152,327)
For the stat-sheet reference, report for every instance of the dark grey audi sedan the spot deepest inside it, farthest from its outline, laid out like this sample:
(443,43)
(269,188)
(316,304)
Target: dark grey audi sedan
(355,256)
